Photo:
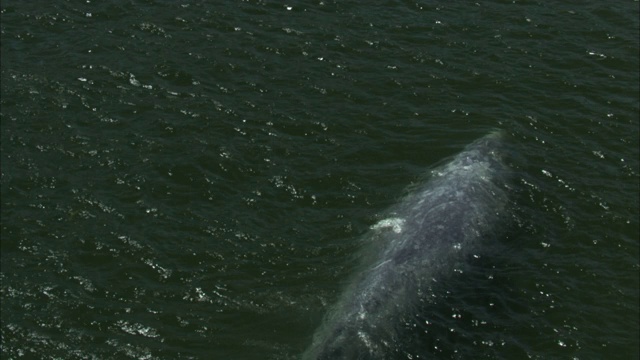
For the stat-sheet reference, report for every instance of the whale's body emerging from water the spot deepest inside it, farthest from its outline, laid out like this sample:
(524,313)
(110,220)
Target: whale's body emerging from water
(435,227)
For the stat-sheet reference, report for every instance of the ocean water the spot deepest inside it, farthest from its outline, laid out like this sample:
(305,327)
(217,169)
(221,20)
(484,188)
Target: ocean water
(198,179)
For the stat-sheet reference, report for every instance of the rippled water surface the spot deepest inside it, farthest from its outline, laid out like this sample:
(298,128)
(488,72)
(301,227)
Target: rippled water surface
(198,179)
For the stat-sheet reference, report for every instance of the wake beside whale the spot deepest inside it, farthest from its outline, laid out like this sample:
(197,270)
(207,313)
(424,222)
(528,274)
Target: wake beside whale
(436,227)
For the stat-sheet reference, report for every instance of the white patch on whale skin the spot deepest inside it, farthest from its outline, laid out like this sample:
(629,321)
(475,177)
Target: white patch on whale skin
(394,223)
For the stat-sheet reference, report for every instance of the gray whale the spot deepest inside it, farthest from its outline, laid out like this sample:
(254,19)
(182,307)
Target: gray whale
(434,228)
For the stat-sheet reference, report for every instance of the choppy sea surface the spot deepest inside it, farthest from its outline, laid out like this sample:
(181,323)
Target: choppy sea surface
(198,179)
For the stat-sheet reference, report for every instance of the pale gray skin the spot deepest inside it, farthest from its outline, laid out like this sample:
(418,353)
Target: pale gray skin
(435,228)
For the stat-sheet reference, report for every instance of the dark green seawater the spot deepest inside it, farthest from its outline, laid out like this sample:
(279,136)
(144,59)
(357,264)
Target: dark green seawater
(197,179)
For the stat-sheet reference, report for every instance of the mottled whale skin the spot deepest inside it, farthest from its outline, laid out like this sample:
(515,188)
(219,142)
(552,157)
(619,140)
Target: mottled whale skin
(434,228)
